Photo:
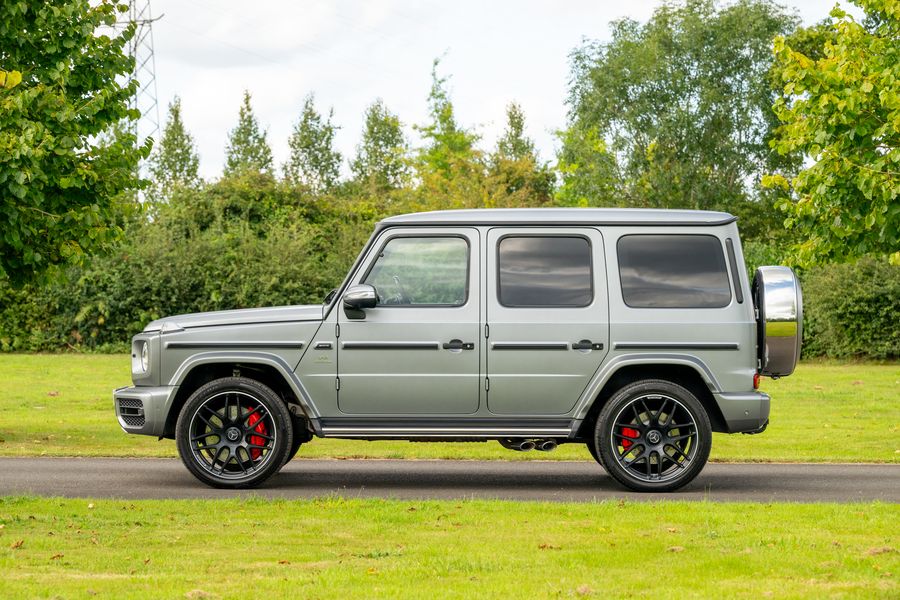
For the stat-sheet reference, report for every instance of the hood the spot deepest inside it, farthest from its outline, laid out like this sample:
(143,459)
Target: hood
(247,316)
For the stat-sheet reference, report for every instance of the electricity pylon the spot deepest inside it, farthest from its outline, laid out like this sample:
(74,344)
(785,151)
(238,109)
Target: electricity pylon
(140,47)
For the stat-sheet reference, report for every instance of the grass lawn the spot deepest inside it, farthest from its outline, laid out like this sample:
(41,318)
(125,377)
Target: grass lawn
(335,548)
(61,405)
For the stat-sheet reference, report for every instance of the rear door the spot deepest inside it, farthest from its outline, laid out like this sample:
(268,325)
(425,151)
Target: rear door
(547,317)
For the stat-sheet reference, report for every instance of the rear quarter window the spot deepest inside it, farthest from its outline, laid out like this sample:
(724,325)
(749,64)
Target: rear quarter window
(673,271)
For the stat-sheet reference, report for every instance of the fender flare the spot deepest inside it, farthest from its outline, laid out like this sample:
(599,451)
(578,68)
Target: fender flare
(611,367)
(256,358)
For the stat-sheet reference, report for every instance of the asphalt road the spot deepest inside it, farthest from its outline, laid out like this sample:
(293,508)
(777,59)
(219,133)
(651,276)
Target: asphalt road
(426,479)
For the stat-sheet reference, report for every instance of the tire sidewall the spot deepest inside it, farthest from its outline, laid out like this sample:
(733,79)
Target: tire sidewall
(280,417)
(621,398)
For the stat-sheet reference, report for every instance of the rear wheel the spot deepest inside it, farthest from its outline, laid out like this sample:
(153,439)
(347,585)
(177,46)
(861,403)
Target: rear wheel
(653,436)
(234,433)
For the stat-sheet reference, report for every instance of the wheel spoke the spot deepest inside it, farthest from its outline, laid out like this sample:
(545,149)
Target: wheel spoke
(256,410)
(212,412)
(680,425)
(203,436)
(209,424)
(240,461)
(678,438)
(669,415)
(637,414)
(227,459)
(264,436)
(649,414)
(679,451)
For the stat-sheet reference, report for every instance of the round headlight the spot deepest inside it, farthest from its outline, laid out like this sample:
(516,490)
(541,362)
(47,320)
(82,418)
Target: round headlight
(145,357)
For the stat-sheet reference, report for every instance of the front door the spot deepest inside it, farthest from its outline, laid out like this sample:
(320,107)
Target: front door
(417,351)
(547,315)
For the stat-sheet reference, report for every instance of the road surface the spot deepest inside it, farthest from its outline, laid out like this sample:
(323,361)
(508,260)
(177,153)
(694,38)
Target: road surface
(447,479)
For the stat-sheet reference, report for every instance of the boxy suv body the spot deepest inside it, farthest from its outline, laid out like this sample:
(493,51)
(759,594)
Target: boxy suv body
(635,332)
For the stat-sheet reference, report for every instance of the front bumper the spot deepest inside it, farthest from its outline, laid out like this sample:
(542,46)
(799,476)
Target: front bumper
(744,411)
(143,410)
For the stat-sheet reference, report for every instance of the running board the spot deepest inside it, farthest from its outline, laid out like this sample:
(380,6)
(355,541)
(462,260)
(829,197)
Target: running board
(443,432)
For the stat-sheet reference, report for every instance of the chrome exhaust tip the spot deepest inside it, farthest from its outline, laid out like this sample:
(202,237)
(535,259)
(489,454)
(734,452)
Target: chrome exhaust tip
(547,445)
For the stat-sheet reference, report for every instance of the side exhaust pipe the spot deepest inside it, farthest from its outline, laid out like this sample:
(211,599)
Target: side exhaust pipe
(518,445)
(547,445)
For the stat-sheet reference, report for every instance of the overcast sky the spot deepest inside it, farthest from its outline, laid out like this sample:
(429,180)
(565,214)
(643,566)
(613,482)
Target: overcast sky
(350,53)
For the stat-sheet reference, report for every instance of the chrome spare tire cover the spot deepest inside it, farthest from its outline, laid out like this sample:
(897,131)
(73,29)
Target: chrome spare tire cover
(779,305)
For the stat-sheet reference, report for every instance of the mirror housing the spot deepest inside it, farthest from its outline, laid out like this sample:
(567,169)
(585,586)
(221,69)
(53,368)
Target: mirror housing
(357,298)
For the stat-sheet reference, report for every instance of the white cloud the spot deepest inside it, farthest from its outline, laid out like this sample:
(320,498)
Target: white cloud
(350,53)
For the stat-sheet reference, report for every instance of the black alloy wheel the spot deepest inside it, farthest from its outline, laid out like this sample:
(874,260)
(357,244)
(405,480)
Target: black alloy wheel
(653,436)
(234,433)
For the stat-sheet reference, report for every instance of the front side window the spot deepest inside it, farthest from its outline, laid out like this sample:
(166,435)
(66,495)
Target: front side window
(673,271)
(421,271)
(544,271)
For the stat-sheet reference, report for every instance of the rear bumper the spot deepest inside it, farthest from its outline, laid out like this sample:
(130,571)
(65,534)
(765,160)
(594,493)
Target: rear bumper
(744,411)
(143,410)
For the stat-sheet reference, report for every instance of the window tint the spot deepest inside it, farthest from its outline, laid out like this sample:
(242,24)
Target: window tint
(544,271)
(421,272)
(673,271)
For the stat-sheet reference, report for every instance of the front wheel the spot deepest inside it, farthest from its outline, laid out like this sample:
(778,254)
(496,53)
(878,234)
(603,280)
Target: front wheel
(234,432)
(653,436)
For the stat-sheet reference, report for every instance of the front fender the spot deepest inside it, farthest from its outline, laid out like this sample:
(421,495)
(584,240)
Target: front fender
(257,358)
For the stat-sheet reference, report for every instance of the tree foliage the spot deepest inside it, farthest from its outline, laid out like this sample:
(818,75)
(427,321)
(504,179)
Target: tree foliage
(175,162)
(840,106)
(247,147)
(515,167)
(64,167)
(676,112)
(449,148)
(381,160)
(313,161)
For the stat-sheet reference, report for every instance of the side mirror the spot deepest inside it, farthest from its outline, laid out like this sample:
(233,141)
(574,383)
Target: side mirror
(357,298)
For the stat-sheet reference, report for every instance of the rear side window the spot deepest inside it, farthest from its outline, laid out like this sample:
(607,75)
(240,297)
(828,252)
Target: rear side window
(544,271)
(673,271)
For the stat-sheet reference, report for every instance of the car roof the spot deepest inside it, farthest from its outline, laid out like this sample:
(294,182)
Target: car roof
(561,216)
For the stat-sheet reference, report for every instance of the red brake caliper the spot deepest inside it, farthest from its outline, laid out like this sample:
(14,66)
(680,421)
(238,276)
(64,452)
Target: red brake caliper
(255,439)
(629,433)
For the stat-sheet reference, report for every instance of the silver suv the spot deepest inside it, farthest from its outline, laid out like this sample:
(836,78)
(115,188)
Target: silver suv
(634,332)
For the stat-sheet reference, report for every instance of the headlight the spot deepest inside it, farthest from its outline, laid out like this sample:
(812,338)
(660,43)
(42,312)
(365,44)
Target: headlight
(145,356)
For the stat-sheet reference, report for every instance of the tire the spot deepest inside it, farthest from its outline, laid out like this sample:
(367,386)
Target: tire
(653,436)
(592,448)
(295,446)
(239,416)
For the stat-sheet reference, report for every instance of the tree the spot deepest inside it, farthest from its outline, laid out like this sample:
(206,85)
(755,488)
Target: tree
(515,166)
(313,160)
(247,146)
(682,104)
(64,168)
(175,162)
(840,108)
(381,156)
(449,149)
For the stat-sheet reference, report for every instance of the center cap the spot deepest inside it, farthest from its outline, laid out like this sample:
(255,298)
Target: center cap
(654,437)
(233,434)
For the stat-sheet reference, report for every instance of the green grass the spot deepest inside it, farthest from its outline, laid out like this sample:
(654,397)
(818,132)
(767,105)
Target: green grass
(61,405)
(336,548)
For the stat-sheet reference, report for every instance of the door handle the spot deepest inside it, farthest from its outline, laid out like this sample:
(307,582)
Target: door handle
(586,345)
(459,345)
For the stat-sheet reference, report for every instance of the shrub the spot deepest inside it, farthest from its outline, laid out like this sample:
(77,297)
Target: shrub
(852,310)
